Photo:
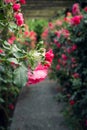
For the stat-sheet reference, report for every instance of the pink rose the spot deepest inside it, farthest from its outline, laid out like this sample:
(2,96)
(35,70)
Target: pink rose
(76,75)
(73,60)
(58,45)
(1,51)
(65,32)
(60,61)
(38,75)
(85,9)
(76,20)
(64,57)
(64,63)
(47,64)
(50,24)
(74,47)
(11,40)
(75,9)
(19,19)
(59,23)
(18,16)
(20,22)
(58,67)
(49,56)
(23,1)
(16,7)
(45,34)
(69,50)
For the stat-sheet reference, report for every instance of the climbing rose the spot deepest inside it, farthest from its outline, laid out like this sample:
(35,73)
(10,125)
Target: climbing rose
(19,19)
(32,35)
(69,50)
(58,45)
(75,9)
(64,57)
(76,20)
(73,60)
(49,56)
(1,51)
(44,34)
(59,23)
(37,75)
(60,61)
(16,7)
(50,24)
(72,102)
(23,1)
(76,75)
(65,32)
(11,40)
(20,22)
(74,47)
(11,106)
(58,67)
(85,9)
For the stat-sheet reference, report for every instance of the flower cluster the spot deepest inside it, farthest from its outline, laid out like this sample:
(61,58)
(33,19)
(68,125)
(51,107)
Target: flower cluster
(41,71)
(16,6)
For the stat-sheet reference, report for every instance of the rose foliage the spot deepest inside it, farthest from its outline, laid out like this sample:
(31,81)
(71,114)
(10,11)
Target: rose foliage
(68,38)
(22,62)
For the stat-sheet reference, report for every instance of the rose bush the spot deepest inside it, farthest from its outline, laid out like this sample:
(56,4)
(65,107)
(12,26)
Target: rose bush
(68,37)
(20,58)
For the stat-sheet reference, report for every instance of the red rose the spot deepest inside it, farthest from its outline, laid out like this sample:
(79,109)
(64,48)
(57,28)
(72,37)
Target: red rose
(64,57)
(76,20)
(20,22)
(75,9)
(23,1)
(58,45)
(11,106)
(71,102)
(49,56)
(74,47)
(1,51)
(85,9)
(19,19)
(69,50)
(16,7)
(76,75)
(73,60)
(58,67)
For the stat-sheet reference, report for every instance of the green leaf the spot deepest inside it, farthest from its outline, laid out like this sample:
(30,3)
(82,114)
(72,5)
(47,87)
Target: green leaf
(1,100)
(20,76)
(14,60)
(15,48)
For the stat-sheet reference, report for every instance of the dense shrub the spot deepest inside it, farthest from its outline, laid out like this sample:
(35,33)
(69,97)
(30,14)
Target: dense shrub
(68,37)
(19,55)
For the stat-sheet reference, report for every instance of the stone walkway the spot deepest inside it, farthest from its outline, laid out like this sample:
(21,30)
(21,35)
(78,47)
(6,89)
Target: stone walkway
(37,109)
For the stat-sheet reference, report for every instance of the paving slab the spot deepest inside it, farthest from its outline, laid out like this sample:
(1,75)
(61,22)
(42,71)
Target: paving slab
(38,109)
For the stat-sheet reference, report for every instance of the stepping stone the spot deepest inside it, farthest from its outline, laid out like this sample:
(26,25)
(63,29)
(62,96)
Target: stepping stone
(38,109)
